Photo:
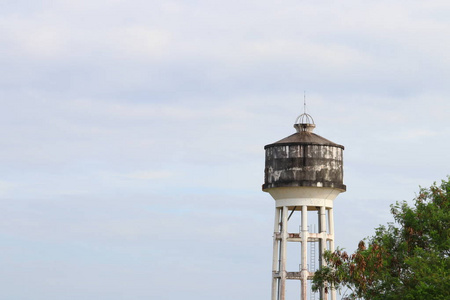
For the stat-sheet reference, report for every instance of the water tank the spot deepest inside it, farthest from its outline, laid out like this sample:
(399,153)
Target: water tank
(304,159)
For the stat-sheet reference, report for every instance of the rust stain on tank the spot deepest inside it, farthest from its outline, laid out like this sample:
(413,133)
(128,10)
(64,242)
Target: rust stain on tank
(304,159)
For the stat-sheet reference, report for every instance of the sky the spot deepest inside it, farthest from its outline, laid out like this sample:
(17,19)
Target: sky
(133,133)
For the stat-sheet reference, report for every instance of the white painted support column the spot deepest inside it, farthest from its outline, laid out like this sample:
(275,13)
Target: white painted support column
(331,226)
(323,239)
(284,235)
(304,238)
(276,248)
(323,232)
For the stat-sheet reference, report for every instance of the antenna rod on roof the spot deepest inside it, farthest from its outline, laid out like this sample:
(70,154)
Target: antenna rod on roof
(304,102)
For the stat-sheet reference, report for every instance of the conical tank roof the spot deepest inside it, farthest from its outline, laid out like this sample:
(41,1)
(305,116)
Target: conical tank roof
(304,134)
(304,137)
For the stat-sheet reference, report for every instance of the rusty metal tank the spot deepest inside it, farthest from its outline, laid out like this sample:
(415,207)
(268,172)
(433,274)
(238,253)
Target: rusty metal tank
(304,159)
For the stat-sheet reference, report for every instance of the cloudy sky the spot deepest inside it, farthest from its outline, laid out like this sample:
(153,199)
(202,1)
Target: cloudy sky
(132,133)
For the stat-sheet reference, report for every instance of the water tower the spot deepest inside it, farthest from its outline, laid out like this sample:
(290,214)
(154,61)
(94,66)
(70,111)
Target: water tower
(304,174)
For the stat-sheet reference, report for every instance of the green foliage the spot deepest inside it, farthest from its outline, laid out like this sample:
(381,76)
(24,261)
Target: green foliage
(407,260)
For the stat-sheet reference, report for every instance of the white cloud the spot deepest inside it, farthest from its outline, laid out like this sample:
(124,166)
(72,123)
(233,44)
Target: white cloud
(32,38)
(140,42)
(149,175)
(6,187)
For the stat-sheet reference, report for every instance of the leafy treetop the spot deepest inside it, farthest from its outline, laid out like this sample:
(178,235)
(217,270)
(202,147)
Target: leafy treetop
(407,260)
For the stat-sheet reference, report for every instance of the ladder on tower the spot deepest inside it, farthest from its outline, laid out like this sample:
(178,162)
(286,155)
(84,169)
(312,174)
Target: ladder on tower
(312,262)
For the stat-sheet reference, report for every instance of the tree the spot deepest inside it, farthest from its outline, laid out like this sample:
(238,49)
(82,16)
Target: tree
(407,259)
